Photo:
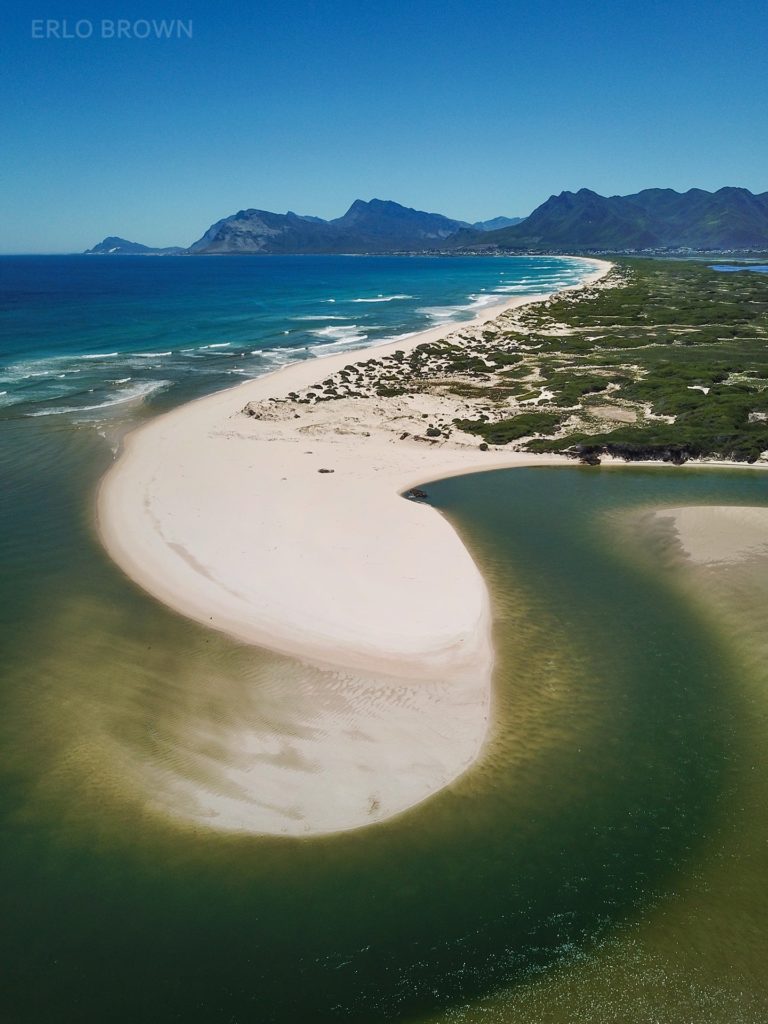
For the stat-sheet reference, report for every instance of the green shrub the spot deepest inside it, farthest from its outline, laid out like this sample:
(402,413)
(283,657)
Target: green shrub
(504,431)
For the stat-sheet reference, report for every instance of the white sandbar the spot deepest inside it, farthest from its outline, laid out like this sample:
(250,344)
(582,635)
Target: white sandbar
(227,519)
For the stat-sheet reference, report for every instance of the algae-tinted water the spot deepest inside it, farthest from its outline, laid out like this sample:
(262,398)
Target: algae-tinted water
(651,743)
(622,790)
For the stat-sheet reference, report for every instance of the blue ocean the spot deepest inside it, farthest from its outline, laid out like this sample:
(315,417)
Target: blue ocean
(80,335)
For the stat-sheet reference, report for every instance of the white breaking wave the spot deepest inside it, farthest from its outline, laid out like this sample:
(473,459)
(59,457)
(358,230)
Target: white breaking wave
(281,357)
(394,337)
(6,399)
(97,355)
(320,317)
(445,314)
(384,298)
(328,348)
(339,333)
(152,355)
(478,301)
(134,394)
(218,344)
(46,367)
(440,312)
(337,346)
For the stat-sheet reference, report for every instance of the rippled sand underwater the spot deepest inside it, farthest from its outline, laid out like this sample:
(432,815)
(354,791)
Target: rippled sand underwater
(604,861)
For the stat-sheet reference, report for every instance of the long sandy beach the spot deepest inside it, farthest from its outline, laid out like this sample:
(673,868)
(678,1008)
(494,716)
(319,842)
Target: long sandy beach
(290,532)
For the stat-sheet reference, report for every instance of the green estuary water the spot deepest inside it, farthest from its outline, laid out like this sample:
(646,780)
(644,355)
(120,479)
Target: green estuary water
(606,860)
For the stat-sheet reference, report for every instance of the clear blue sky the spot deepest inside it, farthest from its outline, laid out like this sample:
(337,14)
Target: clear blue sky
(471,109)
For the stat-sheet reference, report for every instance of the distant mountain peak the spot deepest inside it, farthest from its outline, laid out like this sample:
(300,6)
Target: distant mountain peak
(496,223)
(375,225)
(656,218)
(113,245)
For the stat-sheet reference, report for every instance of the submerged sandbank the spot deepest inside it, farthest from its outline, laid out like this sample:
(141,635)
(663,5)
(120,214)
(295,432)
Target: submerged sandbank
(719,534)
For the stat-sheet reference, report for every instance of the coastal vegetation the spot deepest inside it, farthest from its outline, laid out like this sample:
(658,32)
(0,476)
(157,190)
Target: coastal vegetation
(661,359)
(680,347)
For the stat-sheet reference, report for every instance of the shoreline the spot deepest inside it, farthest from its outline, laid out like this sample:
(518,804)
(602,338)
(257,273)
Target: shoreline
(277,383)
(296,538)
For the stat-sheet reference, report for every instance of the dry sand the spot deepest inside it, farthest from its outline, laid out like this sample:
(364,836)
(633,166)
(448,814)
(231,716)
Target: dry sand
(227,519)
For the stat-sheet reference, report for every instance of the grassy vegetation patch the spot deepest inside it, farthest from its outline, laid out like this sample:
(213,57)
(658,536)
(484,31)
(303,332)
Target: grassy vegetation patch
(570,388)
(512,429)
(699,356)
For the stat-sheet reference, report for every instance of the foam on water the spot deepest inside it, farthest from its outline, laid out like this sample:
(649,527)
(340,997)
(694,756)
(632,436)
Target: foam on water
(479,301)
(444,314)
(384,298)
(339,333)
(352,341)
(137,393)
(320,316)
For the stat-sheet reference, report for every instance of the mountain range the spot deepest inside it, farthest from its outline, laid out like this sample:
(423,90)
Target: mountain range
(656,218)
(376,226)
(366,227)
(731,218)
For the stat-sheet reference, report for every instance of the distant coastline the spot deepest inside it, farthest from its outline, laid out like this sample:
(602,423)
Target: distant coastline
(654,221)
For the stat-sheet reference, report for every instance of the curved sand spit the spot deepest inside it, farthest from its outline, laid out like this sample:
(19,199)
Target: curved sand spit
(228,520)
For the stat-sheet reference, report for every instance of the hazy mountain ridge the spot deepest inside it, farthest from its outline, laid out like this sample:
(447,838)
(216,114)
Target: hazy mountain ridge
(367,227)
(115,246)
(731,218)
(655,219)
(497,223)
(375,226)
